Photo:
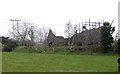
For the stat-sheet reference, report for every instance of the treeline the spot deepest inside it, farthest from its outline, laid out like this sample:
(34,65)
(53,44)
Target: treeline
(27,35)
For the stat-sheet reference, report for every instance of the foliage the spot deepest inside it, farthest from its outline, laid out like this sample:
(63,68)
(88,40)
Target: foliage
(8,44)
(119,46)
(106,36)
(21,49)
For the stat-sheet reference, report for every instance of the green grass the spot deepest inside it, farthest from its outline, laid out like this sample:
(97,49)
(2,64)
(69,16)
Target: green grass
(21,49)
(35,62)
(0,62)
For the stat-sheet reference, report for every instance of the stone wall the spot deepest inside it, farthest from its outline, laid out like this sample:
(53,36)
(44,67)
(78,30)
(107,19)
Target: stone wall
(86,37)
(56,40)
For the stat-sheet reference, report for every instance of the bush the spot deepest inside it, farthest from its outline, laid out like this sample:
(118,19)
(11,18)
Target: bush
(9,45)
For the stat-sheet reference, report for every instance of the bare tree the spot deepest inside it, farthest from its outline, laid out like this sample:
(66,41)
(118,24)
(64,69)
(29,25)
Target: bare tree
(75,29)
(31,33)
(22,32)
(45,34)
(68,31)
(17,31)
(39,36)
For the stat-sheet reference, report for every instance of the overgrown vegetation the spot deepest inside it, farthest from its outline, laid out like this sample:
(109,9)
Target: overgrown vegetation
(27,39)
(8,44)
(118,46)
(106,36)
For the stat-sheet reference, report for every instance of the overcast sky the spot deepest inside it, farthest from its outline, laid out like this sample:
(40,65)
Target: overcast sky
(56,13)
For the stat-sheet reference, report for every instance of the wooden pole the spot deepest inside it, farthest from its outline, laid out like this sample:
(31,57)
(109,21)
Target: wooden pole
(79,27)
(89,24)
(82,25)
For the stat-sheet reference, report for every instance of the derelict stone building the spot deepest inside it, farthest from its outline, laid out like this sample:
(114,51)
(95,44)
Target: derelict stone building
(91,36)
(55,40)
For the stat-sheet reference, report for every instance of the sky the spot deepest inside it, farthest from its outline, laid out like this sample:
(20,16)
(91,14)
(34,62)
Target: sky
(56,13)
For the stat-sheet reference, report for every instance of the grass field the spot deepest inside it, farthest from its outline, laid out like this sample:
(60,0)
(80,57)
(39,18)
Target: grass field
(35,62)
(0,62)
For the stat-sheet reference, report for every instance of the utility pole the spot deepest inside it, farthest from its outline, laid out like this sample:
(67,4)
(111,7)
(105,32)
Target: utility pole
(17,24)
(17,20)
(79,27)
(89,24)
(14,25)
(82,25)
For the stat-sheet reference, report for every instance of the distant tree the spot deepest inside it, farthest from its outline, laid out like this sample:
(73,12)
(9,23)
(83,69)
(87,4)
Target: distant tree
(75,29)
(106,36)
(118,46)
(39,36)
(31,34)
(8,44)
(23,32)
(69,32)
(45,34)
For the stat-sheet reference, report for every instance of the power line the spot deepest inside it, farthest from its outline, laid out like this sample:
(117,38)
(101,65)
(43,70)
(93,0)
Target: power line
(36,24)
